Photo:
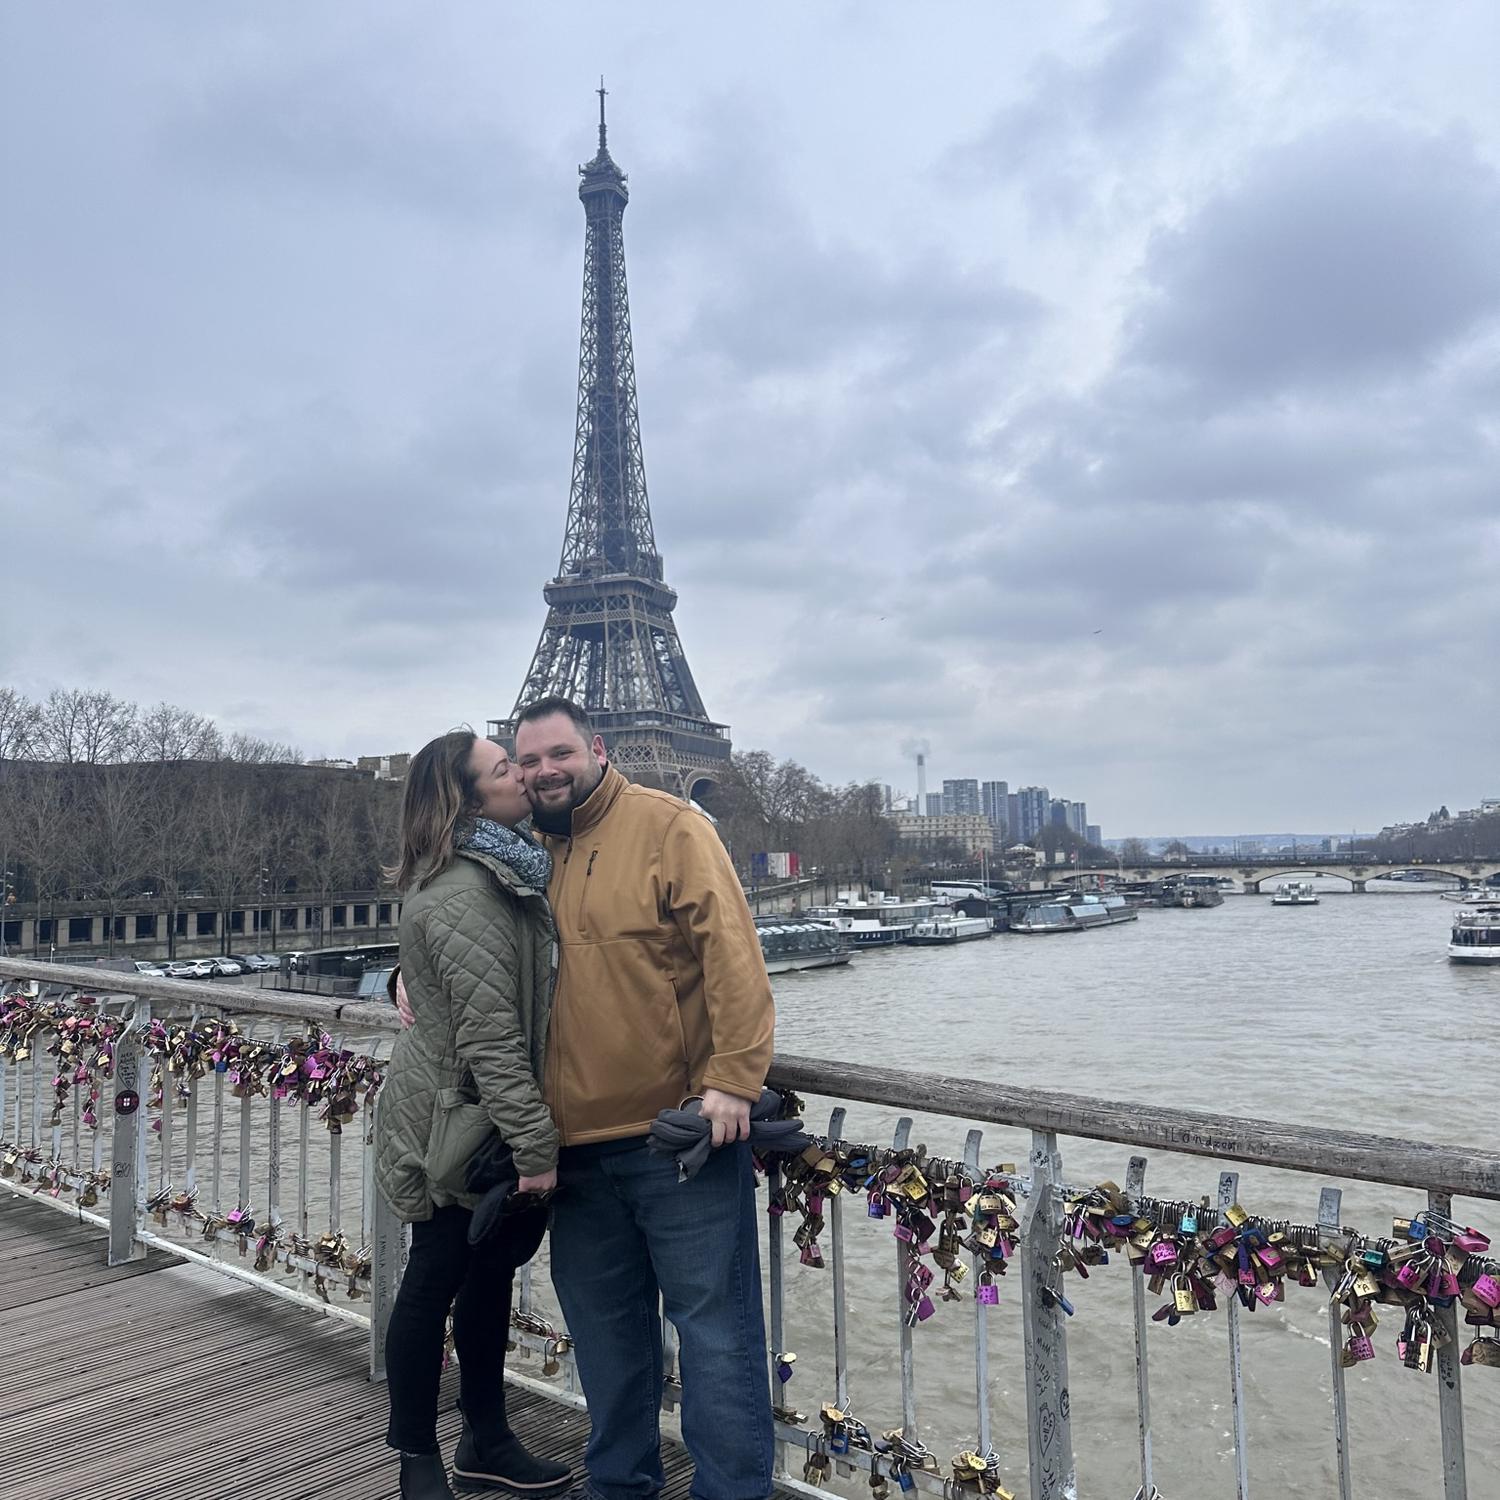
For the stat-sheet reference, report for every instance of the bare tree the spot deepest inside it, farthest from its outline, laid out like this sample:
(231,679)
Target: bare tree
(167,732)
(170,796)
(1134,853)
(19,719)
(247,750)
(39,797)
(228,841)
(332,850)
(110,836)
(85,727)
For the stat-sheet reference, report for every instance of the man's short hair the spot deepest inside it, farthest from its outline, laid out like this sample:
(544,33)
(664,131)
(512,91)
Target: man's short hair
(544,708)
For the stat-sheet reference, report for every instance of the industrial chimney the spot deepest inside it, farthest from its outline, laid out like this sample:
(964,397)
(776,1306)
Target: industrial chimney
(921,784)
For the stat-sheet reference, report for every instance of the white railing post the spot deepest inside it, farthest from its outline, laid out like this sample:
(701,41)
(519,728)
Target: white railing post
(1135,1185)
(1049,1428)
(1330,1216)
(387,1259)
(1450,1394)
(127,1189)
(977,1264)
(1229,1188)
(840,1292)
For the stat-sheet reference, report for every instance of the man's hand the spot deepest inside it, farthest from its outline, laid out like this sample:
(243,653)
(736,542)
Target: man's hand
(728,1114)
(544,1182)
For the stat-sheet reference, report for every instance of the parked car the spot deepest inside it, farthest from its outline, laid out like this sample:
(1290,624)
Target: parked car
(222,968)
(257,962)
(199,968)
(151,971)
(181,968)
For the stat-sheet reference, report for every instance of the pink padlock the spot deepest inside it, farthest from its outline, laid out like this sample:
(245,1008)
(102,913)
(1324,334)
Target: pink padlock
(1471,1242)
(1359,1347)
(1487,1289)
(1269,1256)
(1164,1253)
(1409,1275)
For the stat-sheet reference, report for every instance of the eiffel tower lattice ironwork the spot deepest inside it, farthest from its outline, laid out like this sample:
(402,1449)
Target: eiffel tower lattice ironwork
(609,641)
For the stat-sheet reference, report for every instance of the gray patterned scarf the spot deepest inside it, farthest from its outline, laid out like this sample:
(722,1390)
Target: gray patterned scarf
(530,861)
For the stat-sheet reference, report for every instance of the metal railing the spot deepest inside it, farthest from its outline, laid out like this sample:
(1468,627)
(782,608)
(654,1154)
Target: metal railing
(214,1143)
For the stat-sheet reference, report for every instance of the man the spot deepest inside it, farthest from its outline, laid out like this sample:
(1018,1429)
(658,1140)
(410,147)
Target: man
(661,995)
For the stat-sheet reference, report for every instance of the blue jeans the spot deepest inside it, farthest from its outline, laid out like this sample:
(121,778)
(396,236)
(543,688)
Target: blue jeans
(624,1231)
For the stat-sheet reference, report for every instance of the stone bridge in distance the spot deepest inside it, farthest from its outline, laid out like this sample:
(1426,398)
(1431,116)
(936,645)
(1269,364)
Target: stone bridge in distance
(1463,873)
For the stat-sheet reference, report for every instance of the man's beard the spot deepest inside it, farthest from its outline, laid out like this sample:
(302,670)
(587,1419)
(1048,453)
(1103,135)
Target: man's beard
(558,818)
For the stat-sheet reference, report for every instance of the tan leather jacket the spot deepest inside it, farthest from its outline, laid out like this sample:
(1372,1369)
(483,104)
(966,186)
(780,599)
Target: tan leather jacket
(661,989)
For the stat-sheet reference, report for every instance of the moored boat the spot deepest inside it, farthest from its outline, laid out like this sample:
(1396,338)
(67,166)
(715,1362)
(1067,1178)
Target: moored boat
(942,932)
(790,943)
(1075,915)
(882,921)
(1475,938)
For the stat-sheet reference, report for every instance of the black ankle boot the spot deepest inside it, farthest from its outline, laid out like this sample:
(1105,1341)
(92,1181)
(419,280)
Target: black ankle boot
(423,1477)
(503,1464)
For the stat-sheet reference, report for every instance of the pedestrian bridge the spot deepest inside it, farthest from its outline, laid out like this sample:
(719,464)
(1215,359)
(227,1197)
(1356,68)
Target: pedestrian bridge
(189,1176)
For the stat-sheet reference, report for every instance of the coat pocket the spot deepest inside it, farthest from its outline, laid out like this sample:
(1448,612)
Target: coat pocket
(460,1126)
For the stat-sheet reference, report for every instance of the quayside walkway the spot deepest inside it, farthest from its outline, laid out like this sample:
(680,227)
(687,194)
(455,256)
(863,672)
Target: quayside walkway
(197,1275)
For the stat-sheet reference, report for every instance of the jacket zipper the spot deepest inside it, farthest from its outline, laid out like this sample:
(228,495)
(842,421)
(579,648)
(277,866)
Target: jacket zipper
(554,1029)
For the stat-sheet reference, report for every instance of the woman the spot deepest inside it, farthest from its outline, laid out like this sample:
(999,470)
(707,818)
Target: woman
(477,958)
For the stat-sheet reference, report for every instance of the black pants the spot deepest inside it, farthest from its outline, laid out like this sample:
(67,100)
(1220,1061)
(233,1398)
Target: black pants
(444,1266)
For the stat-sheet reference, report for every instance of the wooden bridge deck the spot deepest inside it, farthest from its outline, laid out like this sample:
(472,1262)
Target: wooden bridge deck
(163,1381)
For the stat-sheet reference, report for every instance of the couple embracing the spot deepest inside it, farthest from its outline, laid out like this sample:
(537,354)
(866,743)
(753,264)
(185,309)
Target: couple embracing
(564,987)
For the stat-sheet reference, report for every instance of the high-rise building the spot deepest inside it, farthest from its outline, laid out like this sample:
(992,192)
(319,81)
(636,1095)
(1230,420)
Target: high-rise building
(1078,818)
(1095,835)
(961,798)
(609,642)
(994,802)
(1033,808)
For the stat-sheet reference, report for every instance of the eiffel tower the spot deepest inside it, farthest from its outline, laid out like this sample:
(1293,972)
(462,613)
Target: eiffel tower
(609,642)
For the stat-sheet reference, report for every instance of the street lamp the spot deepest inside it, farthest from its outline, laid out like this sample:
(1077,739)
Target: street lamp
(6,901)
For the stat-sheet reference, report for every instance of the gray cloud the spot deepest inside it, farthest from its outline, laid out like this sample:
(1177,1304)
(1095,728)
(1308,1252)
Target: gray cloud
(1105,396)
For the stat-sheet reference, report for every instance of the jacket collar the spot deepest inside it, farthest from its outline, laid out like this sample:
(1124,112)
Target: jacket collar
(590,812)
(499,869)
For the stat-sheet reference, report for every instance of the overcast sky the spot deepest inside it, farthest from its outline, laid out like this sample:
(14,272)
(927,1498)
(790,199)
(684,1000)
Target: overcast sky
(1106,395)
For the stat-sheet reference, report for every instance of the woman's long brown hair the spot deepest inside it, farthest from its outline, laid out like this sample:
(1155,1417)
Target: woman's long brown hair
(440,793)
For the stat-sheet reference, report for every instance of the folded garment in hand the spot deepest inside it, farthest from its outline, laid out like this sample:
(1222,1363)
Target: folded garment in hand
(491,1173)
(686,1135)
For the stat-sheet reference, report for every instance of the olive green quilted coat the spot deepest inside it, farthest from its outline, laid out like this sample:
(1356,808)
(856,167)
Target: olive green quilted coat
(478,955)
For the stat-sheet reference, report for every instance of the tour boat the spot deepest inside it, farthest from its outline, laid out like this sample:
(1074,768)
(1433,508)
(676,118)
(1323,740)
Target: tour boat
(1191,890)
(788,943)
(1075,915)
(1476,935)
(1295,893)
(942,932)
(882,921)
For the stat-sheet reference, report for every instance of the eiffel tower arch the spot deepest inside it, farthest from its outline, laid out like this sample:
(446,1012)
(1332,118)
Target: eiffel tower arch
(609,641)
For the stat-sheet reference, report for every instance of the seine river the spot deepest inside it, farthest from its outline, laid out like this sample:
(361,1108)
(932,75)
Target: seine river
(1345,1014)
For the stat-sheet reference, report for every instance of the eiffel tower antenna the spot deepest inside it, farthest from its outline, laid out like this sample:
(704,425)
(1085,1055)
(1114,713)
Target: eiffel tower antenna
(609,641)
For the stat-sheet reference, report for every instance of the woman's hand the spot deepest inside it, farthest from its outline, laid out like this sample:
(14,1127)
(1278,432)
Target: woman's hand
(403,1005)
(544,1182)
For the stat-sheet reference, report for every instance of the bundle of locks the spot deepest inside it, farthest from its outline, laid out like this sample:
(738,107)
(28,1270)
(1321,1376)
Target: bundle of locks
(1190,1252)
